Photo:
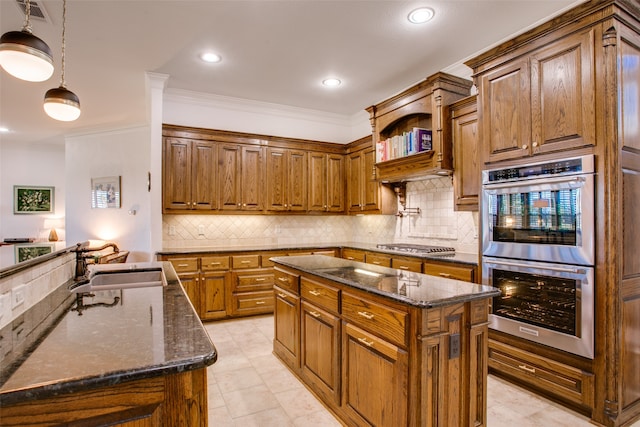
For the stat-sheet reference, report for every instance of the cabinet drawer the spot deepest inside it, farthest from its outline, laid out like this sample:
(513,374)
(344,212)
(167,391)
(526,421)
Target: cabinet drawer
(245,261)
(381,260)
(540,372)
(182,265)
(214,263)
(458,272)
(253,302)
(319,294)
(414,265)
(287,281)
(260,280)
(327,253)
(265,258)
(382,320)
(353,255)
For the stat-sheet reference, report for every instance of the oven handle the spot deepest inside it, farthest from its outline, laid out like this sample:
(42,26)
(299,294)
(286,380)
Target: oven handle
(576,270)
(528,183)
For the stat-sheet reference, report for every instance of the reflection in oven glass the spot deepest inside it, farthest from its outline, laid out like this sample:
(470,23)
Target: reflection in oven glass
(544,301)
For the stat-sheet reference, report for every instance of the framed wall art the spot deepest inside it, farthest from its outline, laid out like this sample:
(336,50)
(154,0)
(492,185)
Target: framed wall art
(32,200)
(28,251)
(105,192)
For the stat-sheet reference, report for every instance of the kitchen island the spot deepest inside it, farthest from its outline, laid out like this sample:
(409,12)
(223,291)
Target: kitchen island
(133,356)
(383,346)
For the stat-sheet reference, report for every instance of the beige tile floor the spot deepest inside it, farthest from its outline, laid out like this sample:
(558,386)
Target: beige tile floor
(248,386)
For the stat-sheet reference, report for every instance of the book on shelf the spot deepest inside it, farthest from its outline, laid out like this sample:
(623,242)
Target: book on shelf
(413,142)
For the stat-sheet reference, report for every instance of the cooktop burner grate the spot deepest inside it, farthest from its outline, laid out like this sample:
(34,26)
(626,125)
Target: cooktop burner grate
(416,249)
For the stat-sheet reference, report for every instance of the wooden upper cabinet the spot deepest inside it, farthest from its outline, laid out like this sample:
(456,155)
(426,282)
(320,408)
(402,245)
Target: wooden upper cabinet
(540,103)
(326,182)
(364,193)
(355,181)
(286,180)
(240,177)
(189,177)
(466,161)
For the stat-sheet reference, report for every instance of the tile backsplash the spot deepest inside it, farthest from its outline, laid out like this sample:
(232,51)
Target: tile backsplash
(437,224)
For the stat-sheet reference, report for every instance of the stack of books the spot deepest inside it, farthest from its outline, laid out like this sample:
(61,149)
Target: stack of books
(415,141)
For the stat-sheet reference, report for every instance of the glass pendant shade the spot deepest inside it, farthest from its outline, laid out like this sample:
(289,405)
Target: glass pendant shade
(62,104)
(25,56)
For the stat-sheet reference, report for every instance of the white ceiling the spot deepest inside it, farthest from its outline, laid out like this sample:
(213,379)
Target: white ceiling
(273,51)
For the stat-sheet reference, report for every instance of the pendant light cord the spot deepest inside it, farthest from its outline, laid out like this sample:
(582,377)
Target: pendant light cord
(64,31)
(27,15)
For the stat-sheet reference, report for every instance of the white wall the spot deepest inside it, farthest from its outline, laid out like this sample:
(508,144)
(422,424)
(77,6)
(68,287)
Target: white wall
(217,112)
(35,164)
(122,153)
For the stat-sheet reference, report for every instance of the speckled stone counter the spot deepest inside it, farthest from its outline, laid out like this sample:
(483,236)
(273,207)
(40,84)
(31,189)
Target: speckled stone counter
(464,258)
(119,336)
(415,289)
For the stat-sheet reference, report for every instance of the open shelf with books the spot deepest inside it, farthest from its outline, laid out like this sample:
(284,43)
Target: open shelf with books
(411,135)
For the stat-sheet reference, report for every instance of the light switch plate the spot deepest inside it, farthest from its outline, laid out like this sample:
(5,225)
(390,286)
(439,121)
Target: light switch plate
(17,296)
(201,230)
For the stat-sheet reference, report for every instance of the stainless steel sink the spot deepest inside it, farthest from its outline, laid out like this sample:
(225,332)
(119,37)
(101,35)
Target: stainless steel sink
(122,277)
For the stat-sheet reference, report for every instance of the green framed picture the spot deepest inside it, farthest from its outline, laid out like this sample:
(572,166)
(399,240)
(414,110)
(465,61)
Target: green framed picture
(32,200)
(28,251)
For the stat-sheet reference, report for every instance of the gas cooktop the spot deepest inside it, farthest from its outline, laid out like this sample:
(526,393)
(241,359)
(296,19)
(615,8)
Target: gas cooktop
(417,249)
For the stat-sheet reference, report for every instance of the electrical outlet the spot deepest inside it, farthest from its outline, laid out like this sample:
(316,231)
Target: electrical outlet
(201,230)
(17,296)
(172,230)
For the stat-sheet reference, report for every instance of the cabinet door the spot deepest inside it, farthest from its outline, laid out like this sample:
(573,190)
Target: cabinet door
(506,112)
(277,179)
(317,182)
(355,183)
(286,340)
(563,94)
(176,193)
(370,363)
(466,165)
(320,351)
(213,291)
(203,172)
(252,179)
(297,181)
(370,187)
(229,181)
(335,183)
(191,284)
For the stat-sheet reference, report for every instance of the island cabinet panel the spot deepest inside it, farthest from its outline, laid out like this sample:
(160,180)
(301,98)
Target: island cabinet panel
(286,316)
(173,400)
(375,379)
(381,319)
(320,351)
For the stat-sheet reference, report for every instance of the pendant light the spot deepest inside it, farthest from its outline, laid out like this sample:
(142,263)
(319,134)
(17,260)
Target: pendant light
(60,103)
(24,55)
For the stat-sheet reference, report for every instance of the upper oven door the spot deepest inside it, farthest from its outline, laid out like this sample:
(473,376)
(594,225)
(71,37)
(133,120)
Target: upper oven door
(546,219)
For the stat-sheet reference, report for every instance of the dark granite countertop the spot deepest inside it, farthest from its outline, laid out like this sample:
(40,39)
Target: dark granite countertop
(464,258)
(419,290)
(129,334)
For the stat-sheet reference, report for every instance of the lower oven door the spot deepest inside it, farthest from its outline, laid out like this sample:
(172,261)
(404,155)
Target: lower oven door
(551,304)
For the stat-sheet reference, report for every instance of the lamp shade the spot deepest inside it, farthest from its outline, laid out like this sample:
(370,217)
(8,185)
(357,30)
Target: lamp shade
(25,56)
(62,104)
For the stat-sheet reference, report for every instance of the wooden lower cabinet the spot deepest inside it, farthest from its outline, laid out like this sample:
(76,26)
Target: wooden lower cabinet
(468,273)
(252,292)
(320,351)
(374,361)
(172,400)
(375,375)
(213,304)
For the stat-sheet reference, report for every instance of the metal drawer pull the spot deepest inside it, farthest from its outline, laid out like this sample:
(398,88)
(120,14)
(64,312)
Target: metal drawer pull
(260,279)
(528,369)
(315,314)
(365,342)
(281,295)
(350,258)
(260,302)
(366,315)
(315,293)
(245,262)
(403,267)
(215,263)
(445,274)
(183,265)
(283,279)
(376,262)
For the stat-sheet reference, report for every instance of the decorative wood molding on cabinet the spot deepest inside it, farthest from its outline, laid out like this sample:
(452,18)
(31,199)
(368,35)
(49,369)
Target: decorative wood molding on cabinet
(422,106)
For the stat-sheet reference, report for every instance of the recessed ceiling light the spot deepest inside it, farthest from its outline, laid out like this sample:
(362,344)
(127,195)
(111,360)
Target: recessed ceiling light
(420,15)
(331,82)
(210,57)
(3,129)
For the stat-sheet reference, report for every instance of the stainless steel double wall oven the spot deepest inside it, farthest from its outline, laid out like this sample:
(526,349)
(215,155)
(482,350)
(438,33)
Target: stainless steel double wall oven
(538,249)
